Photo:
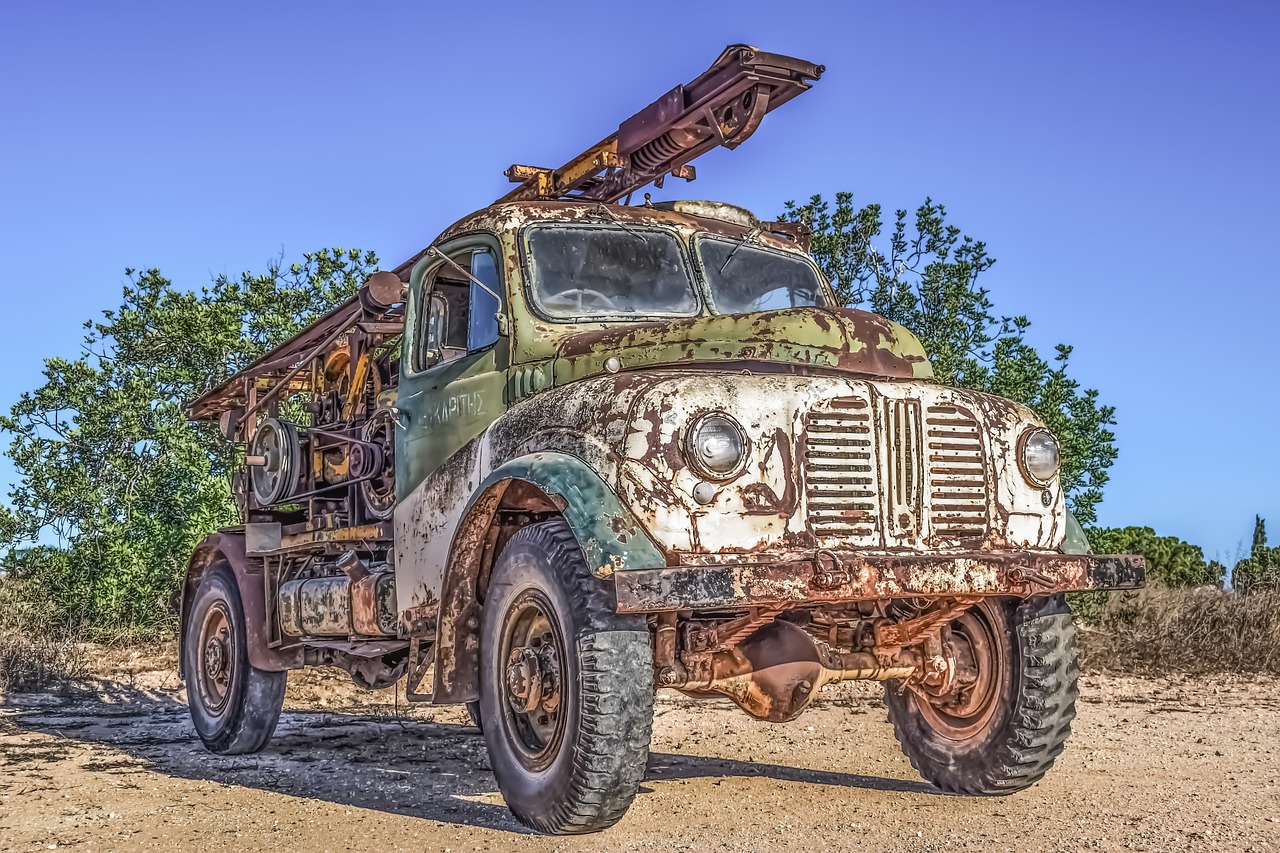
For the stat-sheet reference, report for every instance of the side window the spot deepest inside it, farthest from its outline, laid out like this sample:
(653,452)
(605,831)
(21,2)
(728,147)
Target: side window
(437,325)
(483,329)
(460,316)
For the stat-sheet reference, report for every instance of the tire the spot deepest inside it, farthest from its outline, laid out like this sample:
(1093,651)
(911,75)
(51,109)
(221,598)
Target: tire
(1010,740)
(234,705)
(572,761)
(473,711)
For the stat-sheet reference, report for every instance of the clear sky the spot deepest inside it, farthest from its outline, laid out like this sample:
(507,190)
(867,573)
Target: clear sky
(1119,159)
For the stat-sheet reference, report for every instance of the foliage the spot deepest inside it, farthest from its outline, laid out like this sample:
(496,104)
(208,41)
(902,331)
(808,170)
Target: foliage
(1261,569)
(1170,561)
(924,274)
(108,464)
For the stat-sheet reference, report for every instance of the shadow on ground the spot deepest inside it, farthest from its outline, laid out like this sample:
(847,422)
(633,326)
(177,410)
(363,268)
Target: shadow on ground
(406,766)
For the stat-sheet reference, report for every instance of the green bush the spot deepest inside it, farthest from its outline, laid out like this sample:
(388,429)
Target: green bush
(1261,569)
(1170,561)
(106,459)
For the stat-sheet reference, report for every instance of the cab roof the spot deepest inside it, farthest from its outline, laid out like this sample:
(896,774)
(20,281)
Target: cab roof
(511,216)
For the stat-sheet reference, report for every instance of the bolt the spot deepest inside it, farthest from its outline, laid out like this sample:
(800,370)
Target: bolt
(667,676)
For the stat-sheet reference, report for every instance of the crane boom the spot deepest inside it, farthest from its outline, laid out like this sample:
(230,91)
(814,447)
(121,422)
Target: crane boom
(722,106)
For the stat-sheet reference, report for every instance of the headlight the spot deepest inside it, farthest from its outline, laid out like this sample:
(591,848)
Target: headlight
(1038,456)
(715,446)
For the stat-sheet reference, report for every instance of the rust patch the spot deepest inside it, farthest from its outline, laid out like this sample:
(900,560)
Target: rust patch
(854,577)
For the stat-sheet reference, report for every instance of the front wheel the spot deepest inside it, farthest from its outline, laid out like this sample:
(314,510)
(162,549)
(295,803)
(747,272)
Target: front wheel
(1006,712)
(566,686)
(234,705)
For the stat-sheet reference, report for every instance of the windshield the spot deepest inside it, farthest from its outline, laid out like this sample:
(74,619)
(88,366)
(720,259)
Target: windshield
(608,271)
(743,278)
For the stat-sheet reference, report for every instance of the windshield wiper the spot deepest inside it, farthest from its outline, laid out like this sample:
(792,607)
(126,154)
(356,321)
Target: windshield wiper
(614,218)
(750,238)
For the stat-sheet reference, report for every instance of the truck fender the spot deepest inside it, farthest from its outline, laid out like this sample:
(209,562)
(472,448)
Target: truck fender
(1075,541)
(610,538)
(229,547)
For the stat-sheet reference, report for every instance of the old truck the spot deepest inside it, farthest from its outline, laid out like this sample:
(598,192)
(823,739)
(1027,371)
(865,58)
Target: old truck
(577,450)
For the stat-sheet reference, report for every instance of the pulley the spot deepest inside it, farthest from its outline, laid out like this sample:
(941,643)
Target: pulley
(276,457)
(379,490)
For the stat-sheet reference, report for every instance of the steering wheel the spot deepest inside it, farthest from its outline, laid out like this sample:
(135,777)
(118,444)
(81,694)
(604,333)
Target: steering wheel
(582,295)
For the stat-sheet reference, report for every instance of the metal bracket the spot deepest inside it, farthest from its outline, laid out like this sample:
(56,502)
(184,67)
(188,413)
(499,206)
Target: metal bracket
(419,666)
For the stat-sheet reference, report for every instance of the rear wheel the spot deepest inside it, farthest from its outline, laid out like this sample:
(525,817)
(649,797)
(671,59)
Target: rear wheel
(566,686)
(234,705)
(1005,714)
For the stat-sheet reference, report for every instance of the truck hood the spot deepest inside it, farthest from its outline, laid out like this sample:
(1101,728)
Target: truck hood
(840,339)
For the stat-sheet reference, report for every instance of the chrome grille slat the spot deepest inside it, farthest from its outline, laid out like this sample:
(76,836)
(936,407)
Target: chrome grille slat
(957,473)
(931,458)
(840,476)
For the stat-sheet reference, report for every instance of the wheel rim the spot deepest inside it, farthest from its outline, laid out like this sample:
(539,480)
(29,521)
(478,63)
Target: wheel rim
(963,708)
(531,672)
(216,657)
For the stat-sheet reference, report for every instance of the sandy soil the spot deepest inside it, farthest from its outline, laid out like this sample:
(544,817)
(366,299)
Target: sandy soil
(1155,764)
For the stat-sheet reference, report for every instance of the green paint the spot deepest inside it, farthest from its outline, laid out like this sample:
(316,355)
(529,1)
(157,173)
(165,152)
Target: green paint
(811,337)
(1075,542)
(607,532)
(444,407)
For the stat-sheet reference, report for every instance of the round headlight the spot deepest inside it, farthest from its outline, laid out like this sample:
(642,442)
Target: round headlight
(716,446)
(1039,456)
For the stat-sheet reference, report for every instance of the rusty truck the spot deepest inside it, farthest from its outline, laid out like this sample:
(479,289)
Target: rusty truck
(585,446)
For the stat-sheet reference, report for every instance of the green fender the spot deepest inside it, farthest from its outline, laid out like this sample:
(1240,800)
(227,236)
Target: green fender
(1075,542)
(608,533)
(610,538)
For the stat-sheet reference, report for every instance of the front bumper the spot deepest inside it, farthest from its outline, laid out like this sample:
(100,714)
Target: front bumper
(834,576)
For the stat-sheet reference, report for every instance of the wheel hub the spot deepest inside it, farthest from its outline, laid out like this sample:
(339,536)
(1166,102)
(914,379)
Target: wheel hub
(533,679)
(960,697)
(216,658)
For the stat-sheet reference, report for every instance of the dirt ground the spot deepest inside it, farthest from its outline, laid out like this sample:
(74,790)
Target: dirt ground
(1154,764)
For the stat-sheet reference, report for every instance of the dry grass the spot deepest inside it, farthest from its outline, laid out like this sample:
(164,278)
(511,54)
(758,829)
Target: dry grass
(31,664)
(1188,630)
(38,653)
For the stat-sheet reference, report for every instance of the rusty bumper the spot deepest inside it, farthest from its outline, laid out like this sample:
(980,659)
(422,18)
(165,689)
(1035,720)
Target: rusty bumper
(840,577)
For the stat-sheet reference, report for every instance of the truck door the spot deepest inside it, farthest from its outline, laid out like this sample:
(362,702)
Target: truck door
(454,374)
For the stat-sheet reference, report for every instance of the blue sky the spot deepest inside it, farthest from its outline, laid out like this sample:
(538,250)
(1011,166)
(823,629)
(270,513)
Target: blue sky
(1118,158)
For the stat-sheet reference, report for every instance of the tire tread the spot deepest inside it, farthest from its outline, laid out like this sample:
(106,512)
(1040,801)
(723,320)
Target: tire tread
(1040,723)
(616,669)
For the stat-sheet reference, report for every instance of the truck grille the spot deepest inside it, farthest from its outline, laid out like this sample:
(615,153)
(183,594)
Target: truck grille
(902,440)
(840,472)
(957,474)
